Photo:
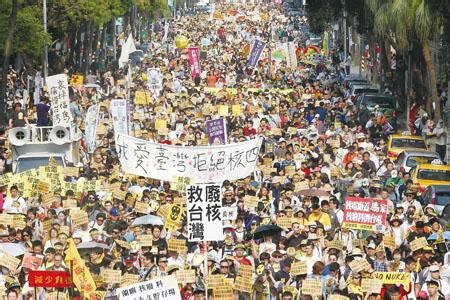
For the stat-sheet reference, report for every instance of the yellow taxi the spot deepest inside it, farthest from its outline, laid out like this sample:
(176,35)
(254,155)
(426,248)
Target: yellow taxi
(397,143)
(430,174)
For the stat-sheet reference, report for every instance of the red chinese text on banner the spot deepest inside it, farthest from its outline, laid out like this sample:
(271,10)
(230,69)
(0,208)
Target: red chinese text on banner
(365,213)
(194,61)
(55,279)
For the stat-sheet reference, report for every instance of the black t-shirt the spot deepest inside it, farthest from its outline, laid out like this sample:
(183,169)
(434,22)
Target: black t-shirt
(18,118)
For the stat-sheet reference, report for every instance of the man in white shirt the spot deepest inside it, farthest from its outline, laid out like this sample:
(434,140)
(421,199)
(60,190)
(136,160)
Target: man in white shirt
(15,204)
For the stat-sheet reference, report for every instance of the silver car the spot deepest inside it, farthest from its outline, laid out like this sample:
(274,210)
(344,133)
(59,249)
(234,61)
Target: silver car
(411,158)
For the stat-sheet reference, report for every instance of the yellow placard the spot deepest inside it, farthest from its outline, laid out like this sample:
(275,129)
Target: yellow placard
(142,98)
(160,123)
(76,80)
(236,110)
(223,110)
(174,216)
(392,277)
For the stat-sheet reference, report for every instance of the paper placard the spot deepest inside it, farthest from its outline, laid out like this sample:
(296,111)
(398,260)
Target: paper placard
(312,287)
(289,170)
(19,221)
(370,285)
(8,261)
(389,241)
(223,110)
(71,171)
(177,245)
(186,276)
(392,277)
(129,279)
(173,217)
(119,194)
(48,199)
(145,240)
(285,222)
(358,265)
(336,244)
(43,187)
(112,276)
(302,185)
(141,207)
(245,271)
(243,284)
(267,161)
(32,262)
(55,296)
(236,110)
(338,297)
(69,203)
(6,219)
(299,268)
(251,201)
(417,244)
(79,217)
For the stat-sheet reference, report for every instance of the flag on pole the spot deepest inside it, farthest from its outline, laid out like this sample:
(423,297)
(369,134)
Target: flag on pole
(128,48)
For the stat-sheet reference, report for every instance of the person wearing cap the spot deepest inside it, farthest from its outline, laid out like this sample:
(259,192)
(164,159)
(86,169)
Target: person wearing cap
(410,201)
(379,263)
(434,276)
(433,292)
(239,256)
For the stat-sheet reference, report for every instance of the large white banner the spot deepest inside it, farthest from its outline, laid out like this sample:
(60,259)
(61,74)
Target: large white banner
(91,127)
(204,211)
(120,115)
(161,288)
(201,164)
(58,89)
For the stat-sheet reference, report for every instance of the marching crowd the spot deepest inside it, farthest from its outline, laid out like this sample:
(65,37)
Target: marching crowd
(318,149)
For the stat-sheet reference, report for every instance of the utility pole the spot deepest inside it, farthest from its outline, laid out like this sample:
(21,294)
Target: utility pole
(44,8)
(344,24)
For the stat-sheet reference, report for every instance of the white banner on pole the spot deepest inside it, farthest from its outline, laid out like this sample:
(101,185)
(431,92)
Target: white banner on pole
(165,287)
(120,115)
(201,164)
(204,210)
(91,127)
(58,89)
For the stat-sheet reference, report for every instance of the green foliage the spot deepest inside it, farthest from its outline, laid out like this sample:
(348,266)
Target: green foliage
(29,38)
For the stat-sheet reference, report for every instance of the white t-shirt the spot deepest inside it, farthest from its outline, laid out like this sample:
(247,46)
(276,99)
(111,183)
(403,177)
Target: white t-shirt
(15,206)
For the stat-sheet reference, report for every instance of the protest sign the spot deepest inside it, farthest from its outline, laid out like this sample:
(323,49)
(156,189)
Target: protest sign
(358,265)
(222,110)
(32,262)
(154,79)
(243,284)
(58,90)
(370,285)
(418,243)
(216,131)
(166,287)
(312,287)
(141,207)
(76,80)
(202,164)
(389,241)
(120,115)
(91,126)
(6,220)
(285,222)
(19,222)
(392,277)
(79,217)
(57,295)
(229,213)
(49,279)
(245,271)
(185,276)
(204,207)
(338,297)
(365,214)
(129,279)
(194,61)
(8,261)
(336,244)
(236,110)
(112,276)
(173,217)
(255,54)
(177,246)
(142,98)
(145,240)
(299,268)
(251,201)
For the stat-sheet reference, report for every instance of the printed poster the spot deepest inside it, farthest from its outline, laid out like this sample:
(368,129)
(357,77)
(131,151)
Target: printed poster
(365,214)
(58,89)
(217,131)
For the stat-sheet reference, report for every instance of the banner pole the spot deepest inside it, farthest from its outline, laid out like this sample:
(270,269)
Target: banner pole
(35,293)
(205,261)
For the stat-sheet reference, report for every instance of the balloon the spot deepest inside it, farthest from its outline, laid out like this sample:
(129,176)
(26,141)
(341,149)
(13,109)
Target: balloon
(181,41)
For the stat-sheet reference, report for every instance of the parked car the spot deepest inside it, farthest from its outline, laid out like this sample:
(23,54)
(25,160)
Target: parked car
(386,104)
(411,158)
(398,143)
(357,89)
(438,196)
(430,174)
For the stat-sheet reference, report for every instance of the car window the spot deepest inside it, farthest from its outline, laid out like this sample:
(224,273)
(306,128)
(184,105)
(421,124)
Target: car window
(408,143)
(27,163)
(438,175)
(400,158)
(383,102)
(417,160)
(442,198)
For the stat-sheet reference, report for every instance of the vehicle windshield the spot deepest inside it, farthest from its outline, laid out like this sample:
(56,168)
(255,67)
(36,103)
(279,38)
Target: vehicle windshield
(443,198)
(366,90)
(408,143)
(438,175)
(417,160)
(27,163)
(383,102)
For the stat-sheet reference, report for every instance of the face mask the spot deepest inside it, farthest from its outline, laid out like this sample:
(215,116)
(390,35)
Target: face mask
(397,257)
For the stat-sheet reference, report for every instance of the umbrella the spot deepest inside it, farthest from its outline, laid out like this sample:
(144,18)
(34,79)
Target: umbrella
(312,192)
(263,230)
(148,220)
(14,249)
(445,236)
(92,85)
(92,245)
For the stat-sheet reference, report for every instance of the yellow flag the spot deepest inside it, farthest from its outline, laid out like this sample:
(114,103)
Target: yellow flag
(81,274)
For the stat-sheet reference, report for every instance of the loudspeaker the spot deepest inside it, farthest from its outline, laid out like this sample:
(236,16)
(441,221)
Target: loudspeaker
(19,136)
(59,135)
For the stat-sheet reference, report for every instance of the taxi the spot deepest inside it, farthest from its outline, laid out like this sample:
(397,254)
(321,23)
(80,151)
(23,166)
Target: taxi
(430,174)
(397,143)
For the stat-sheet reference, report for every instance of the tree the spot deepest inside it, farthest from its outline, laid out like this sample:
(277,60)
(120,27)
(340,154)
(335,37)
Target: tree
(400,21)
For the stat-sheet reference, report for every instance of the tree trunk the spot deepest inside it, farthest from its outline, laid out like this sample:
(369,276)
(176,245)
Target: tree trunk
(6,55)
(73,39)
(432,96)
(87,49)
(78,49)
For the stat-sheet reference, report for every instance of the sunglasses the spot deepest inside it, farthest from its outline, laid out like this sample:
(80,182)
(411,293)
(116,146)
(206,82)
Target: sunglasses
(163,261)
(224,267)
(116,232)
(277,256)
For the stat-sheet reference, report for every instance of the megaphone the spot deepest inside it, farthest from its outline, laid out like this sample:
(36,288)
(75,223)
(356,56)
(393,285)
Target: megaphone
(19,136)
(59,135)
